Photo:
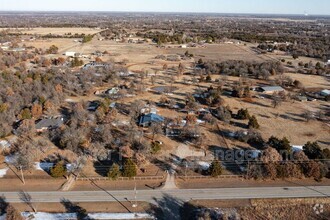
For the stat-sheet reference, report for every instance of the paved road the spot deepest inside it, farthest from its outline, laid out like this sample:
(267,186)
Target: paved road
(174,194)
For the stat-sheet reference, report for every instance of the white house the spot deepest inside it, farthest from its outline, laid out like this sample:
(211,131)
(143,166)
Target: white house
(325,92)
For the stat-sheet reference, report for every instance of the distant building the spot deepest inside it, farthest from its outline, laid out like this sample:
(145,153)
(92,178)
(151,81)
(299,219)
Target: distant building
(325,92)
(271,89)
(49,123)
(72,54)
(302,98)
(147,120)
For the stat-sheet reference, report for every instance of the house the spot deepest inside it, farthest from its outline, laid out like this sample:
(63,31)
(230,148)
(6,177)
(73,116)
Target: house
(49,123)
(325,92)
(271,89)
(112,91)
(302,98)
(71,54)
(95,65)
(148,119)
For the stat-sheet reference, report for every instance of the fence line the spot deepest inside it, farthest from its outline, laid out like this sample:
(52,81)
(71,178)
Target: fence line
(121,178)
(210,177)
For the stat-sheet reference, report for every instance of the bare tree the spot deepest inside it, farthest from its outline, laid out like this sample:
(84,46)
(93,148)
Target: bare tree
(156,129)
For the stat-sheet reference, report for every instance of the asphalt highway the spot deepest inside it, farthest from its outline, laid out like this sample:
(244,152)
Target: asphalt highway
(178,194)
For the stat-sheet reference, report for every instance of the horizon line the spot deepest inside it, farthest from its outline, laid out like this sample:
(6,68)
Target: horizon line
(166,12)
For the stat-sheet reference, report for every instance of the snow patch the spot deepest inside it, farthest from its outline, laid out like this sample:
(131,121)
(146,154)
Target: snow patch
(43,166)
(100,216)
(11,159)
(3,172)
(297,148)
(203,165)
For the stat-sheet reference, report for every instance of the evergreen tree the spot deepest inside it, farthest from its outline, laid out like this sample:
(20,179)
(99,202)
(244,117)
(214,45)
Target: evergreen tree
(129,168)
(58,170)
(114,172)
(253,122)
(215,168)
(243,114)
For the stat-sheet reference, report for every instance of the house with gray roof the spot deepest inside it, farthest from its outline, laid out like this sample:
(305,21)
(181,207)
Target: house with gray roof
(49,123)
(271,89)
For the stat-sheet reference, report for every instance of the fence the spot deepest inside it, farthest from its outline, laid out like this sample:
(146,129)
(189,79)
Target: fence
(121,178)
(210,177)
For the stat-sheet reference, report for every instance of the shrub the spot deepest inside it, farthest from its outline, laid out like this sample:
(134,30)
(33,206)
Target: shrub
(58,170)
(155,147)
(129,168)
(12,213)
(114,172)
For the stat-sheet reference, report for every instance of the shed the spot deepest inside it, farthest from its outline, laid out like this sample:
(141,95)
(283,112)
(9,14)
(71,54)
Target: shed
(271,89)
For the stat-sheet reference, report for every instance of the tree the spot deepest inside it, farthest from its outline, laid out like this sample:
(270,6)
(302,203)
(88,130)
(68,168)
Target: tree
(313,150)
(36,111)
(288,170)
(326,153)
(114,172)
(181,68)
(276,100)
(253,122)
(87,38)
(130,169)
(283,145)
(59,170)
(224,113)
(308,115)
(52,50)
(270,155)
(311,169)
(165,67)
(25,114)
(215,168)
(243,114)
(12,213)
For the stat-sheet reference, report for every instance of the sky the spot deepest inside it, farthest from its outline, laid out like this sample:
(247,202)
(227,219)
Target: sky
(319,7)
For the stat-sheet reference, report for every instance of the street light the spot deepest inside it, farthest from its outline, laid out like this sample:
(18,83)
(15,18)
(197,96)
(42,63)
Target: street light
(135,195)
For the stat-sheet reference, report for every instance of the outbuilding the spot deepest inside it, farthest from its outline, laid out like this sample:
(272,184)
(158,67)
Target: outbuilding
(271,89)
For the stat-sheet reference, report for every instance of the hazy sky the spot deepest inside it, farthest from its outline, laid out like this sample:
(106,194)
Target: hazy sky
(221,6)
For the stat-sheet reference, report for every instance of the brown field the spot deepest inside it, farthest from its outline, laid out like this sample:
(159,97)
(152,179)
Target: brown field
(53,31)
(222,52)
(281,209)
(309,81)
